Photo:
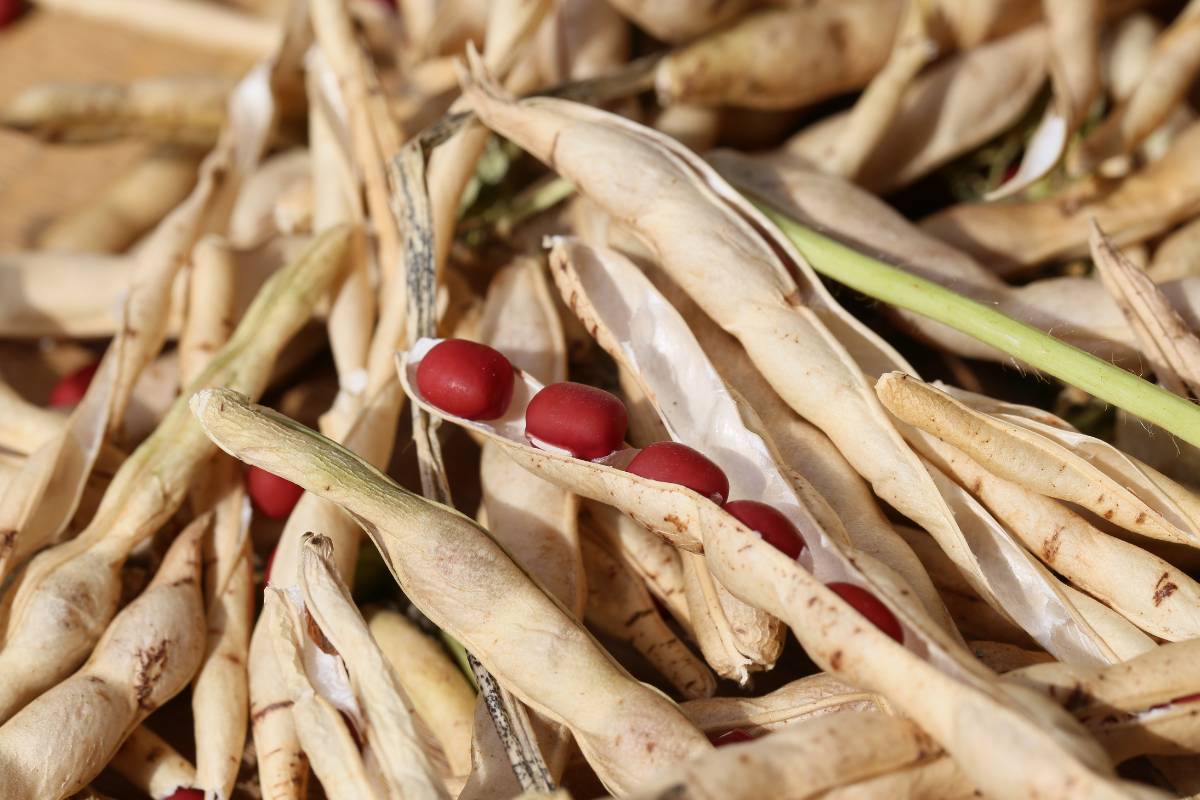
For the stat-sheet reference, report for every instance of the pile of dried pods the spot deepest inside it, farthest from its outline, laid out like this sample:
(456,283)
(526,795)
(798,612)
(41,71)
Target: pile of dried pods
(741,400)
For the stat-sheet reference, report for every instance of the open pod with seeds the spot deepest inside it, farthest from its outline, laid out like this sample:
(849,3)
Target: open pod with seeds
(466,585)
(817,357)
(146,656)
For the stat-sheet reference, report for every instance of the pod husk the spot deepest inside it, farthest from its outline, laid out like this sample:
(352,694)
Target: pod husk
(148,762)
(665,192)
(147,655)
(129,207)
(1178,255)
(674,22)
(468,586)
(69,593)
(1013,237)
(811,696)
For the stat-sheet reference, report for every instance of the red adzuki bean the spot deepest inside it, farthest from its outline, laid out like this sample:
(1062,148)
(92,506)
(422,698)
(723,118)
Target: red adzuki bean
(186,794)
(71,387)
(466,379)
(585,421)
(870,607)
(271,494)
(10,10)
(673,462)
(775,529)
(732,736)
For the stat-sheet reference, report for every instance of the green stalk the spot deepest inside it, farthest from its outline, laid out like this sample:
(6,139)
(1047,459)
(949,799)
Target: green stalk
(1025,343)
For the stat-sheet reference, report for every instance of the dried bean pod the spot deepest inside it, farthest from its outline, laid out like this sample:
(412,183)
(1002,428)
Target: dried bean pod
(151,764)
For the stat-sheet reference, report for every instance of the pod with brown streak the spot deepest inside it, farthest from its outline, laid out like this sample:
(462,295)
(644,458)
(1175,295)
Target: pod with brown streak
(620,606)
(637,326)
(732,551)
(65,737)
(789,57)
(1055,752)
(1173,66)
(805,698)
(1048,460)
(152,765)
(948,110)
(837,495)
(184,111)
(441,696)
(655,561)
(678,22)
(804,760)
(129,207)
(69,593)
(790,332)
(1074,54)
(465,583)
(1078,310)
(1001,657)
(392,744)
(1145,589)
(1013,237)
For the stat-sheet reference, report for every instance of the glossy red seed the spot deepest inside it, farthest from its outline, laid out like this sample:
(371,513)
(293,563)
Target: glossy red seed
(71,387)
(1187,698)
(870,607)
(673,462)
(585,421)
(271,494)
(10,10)
(775,529)
(733,736)
(466,379)
(186,794)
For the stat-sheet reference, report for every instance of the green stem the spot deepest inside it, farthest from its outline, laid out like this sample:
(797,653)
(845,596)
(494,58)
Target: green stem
(1034,347)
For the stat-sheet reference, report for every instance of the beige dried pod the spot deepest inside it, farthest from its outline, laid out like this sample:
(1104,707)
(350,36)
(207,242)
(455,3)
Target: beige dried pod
(580,39)
(620,606)
(392,744)
(440,694)
(65,737)
(253,218)
(1178,255)
(128,207)
(678,22)
(698,225)
(186,111)
(812,696)
(1022,451)
(1056,753)
(948,110)
(935,779)
(803,760)
(1001,657)
(1012,237)
(467,585)
(24,426)
(224,29)
(210,315)
(69,592)
(1171,68)
(1127,51)
(152,765)
(1073,32)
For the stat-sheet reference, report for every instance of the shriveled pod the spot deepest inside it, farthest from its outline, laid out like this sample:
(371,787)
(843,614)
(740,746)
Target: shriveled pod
(947,111)
(465,583)
(811,696)
(188,111)
(147,655)
(440,695)
(782,325)
(1047,459)
(835,635)
(82,575)
(129,207)
(1013,237)
(808,758)
(620,606)
(673,22)
(152,765)
(655,561)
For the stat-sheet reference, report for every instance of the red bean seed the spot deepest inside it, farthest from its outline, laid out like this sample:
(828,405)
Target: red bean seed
(71,387)
(271,494)
(775,529)
(870,607)
(677,463)
(466,379)
(585,421)
(186,794)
